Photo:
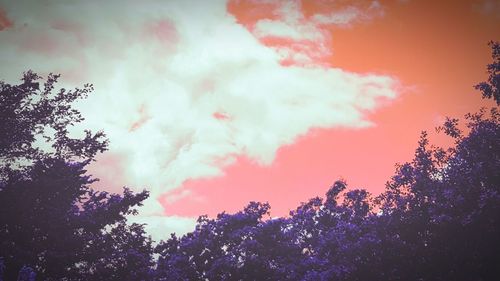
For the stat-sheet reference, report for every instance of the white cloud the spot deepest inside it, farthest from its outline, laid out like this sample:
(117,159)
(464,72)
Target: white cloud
(343,17)
(163,69)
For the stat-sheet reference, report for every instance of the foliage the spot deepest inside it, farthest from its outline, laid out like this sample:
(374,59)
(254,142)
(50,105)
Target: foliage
(52,221)
(31,114)
(438,218)
(491,88)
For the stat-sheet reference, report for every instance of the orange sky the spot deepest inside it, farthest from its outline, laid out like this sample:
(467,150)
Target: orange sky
(436,49)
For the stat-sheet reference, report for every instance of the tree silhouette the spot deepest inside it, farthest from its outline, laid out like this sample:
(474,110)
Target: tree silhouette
(491,88)
(438,219)
(52,221)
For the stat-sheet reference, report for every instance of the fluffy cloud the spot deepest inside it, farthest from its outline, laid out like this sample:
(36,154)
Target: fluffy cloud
(181,88)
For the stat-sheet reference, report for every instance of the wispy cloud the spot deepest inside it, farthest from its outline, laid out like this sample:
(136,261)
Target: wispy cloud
(305,40)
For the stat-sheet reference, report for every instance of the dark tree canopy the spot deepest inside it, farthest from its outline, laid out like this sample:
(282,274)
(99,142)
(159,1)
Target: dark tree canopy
(52,221)
(29,111)
(438,218)
(491,88)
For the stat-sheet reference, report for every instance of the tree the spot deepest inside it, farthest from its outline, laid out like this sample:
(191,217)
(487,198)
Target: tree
(491,88)
(31,114)
(438,219)
(52,221)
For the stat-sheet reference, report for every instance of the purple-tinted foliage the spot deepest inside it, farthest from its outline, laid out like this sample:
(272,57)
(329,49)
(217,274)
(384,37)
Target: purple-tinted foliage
(51,221)
(438,219)
(491,88)
(29,111)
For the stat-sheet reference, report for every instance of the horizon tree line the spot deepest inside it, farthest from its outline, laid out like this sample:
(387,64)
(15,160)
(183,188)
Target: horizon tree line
(438,218)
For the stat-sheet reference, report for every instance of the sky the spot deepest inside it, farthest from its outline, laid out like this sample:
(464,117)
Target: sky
(212,104)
